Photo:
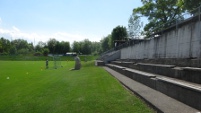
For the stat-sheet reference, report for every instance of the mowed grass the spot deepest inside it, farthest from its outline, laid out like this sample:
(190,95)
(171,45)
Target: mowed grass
(27,87)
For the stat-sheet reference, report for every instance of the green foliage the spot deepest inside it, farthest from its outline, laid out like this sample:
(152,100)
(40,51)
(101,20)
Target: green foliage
(52,44)
(56,47)
(95,48)
(160,13)
(38,54)
(5,45)
(189,5)
(20,46)
(45,51)
(13,50)
(86,47)
(40,46)
(105,43)
(23,51)
(118,33)
(30,88)
(134,26)
(76,46)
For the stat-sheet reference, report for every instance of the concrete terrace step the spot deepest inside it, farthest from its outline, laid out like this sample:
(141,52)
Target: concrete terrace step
(99,63)
(190,74)
(159,101)
(188,85)
(159,77)
(175,88)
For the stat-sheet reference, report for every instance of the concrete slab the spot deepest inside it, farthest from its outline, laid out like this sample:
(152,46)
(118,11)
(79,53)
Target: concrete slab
(192,69)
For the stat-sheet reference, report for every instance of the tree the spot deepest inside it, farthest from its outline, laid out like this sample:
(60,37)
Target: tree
(118,33)
(30,47)
(40,46)
(65,47)
(134,26)
(20,44)
(161,14)
(45,51)
(86,47)
(5,45)
(1,47)
(13,50)
(96,48)
(189,5)
(76,47)
(51,44)
(105,43)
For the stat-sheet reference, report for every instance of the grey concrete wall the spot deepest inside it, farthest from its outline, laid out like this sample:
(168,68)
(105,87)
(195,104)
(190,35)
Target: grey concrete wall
(111,56)
(183,41)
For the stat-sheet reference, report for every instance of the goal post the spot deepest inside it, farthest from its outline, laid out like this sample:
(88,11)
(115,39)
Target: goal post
(57,62)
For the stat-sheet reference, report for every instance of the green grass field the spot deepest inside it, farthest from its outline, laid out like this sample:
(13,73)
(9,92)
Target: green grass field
(27,87)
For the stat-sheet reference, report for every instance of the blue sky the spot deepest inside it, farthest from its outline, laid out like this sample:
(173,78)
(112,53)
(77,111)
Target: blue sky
(64,20)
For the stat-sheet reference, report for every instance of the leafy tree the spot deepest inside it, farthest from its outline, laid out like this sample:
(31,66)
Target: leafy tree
(45,51)
(30,47)
(20,44)
(95,48)
(65,47)
(118,33)
(51,44)
(1,47)
(105,43)
(40,46)
(160,13)
(23,51)
(189,5)
(86,47)
(13,50)
(5,45)
(57,47)
(76,47)
(134,26)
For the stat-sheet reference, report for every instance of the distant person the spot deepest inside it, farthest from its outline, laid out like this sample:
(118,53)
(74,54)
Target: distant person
(77,63)
(46,63)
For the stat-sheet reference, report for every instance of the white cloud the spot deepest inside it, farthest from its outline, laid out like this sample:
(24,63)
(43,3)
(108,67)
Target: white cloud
(15,29)
(16,33)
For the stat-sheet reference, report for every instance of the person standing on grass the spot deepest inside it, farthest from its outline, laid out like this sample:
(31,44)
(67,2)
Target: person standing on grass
(77,63)
(46,63)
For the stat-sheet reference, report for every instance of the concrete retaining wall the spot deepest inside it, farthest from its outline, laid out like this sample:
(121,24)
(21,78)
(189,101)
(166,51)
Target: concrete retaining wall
(183,41)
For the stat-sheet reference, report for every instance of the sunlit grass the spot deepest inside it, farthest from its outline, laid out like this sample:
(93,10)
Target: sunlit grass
(27,87)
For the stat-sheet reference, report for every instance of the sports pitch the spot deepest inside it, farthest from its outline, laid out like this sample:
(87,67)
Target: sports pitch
(27,87)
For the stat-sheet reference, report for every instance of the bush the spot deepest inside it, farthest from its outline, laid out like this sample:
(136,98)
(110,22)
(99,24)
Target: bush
(4,54)
(23,51)
(45,51)
(13,50)
(37,54)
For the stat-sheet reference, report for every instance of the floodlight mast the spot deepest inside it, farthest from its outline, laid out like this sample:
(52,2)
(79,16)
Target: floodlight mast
(53,49)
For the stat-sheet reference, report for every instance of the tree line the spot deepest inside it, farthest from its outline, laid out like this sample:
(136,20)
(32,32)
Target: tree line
(52,46)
